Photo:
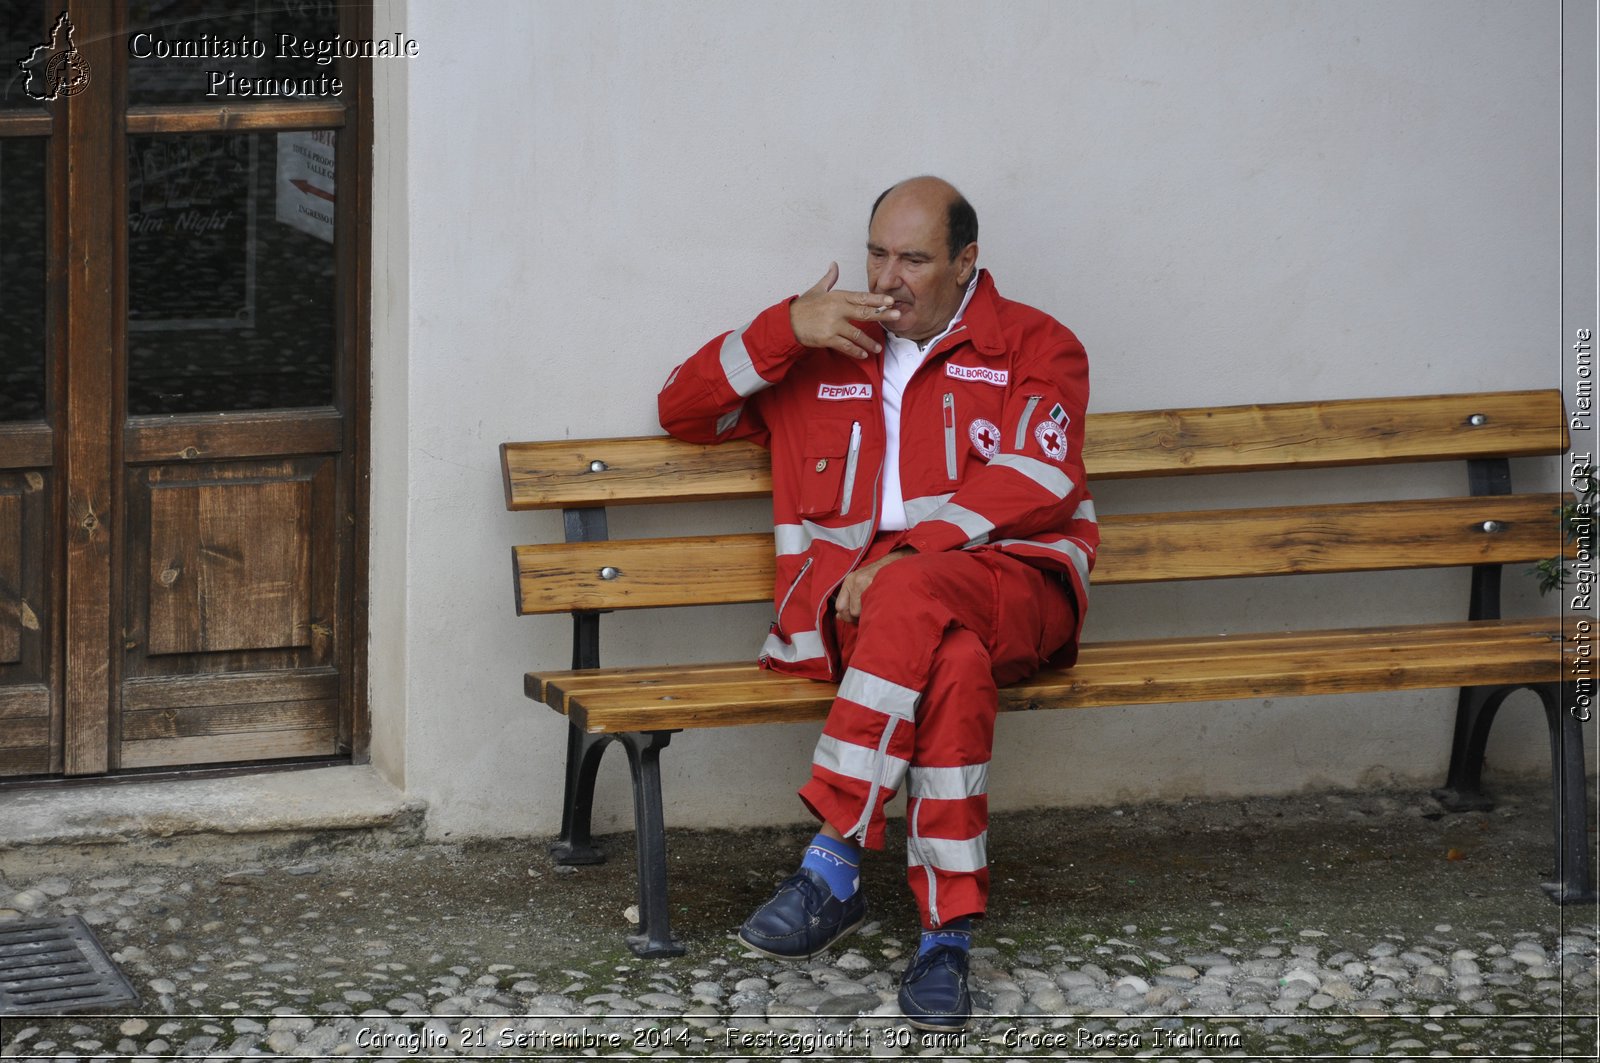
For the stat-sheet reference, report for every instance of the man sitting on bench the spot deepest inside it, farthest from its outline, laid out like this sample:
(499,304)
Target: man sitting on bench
(934,539)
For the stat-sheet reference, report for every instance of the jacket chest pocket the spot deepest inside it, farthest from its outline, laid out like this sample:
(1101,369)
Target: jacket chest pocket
(828,467)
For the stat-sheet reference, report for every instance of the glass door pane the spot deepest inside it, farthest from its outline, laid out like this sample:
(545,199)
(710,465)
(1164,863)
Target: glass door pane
(23,30)
(23,240)
(230,272)
(267,49)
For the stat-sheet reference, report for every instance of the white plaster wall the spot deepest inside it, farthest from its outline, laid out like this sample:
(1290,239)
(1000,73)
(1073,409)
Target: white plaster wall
(389,489)
(1230,202)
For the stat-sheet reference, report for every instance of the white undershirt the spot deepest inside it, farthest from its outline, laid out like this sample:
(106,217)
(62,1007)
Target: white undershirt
(901,357)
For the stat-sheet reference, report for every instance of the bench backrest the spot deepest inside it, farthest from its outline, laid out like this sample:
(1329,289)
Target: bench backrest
(1489,527)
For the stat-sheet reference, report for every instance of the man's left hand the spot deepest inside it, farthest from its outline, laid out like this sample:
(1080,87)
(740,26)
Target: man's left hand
(847,603)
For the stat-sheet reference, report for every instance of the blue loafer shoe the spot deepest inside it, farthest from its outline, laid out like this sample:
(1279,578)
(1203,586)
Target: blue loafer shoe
(933,990)
(802,919)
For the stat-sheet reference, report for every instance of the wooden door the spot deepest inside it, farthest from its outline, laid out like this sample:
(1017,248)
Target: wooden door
(204,407)
(31,248)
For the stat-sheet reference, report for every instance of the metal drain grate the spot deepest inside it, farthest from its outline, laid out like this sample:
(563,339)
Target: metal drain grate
(55,966)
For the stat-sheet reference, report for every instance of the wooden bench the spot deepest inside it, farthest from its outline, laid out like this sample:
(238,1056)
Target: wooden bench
(1488,657)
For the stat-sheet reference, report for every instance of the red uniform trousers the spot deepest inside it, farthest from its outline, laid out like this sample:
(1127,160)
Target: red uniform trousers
(938,634)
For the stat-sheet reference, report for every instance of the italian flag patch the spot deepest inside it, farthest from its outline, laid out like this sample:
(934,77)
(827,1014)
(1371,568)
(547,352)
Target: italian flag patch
(1059,415)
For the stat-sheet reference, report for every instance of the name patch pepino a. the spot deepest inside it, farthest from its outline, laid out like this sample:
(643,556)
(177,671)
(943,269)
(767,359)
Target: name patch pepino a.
(844,391)
(981,373)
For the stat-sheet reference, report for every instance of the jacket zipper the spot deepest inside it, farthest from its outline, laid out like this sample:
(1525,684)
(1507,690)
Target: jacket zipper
(950,434)
(879,762)
(850,467)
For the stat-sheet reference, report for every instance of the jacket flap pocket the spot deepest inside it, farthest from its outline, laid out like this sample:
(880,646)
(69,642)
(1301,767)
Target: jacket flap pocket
(827,439)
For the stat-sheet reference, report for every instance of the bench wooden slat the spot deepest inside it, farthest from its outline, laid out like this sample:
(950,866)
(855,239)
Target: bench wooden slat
(1216,668)
(1091,684)
(551,688)
(556,688)
(644,469)
(1325,434)
(1137,548)
(637,470)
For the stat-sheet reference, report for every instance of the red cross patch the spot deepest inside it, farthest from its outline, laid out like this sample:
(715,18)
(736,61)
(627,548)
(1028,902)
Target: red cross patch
(985,437)
(1052,439)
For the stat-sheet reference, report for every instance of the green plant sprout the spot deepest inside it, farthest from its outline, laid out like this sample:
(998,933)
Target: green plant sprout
(1578,522)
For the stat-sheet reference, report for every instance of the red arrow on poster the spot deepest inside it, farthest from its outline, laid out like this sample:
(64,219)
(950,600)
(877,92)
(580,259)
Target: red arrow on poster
(310,189)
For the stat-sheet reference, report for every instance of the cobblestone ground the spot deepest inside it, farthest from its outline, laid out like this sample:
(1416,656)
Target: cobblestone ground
(1340,925)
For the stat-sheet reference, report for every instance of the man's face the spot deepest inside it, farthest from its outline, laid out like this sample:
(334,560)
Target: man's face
(908,259)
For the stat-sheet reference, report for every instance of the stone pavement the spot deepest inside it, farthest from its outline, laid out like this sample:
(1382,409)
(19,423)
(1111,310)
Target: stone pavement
(1353,925)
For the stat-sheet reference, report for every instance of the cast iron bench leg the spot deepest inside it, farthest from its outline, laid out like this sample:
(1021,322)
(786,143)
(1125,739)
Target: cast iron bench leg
(575,846)
(1463,789)
(1574,876)
(1475,711)
(583,762)
(650,834)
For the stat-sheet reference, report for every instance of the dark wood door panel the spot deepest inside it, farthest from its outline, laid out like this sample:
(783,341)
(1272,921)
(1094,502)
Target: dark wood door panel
(29,743)
(231,612)
(25,557)
(219,436)
(25,446)
(28,733)
(232,567)
(11,603)
(23,700)
(26,745)
(231,749)
(208,719)
(29,738)
(25,723)
(229,688)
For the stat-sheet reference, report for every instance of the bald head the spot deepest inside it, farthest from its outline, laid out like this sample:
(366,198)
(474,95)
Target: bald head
(922,252)
(935,194)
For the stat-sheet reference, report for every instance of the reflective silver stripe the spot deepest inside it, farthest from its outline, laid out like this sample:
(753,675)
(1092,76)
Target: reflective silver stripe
(850,467)
(1068,548)
(729,419)
(856,762)
(879,694)
(880,778)
(949,784)
(737,367)
(1022,422)
(1050,477)
(797,538)
(975,525)
(914,857)
(802,646)
(1085,511)
(917,509)
(950,854)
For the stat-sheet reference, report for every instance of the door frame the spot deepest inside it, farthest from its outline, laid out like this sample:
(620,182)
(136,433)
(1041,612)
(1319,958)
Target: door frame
(87,314)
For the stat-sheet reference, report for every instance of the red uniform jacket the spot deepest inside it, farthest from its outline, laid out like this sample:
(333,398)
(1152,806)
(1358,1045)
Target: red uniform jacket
(991,452)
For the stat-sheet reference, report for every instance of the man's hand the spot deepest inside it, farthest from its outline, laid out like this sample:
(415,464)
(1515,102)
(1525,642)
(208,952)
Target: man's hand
(823,317)
(847,603)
